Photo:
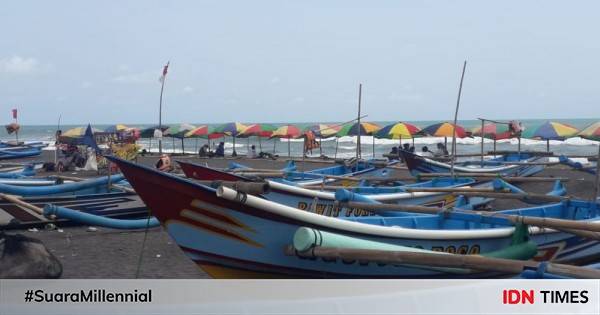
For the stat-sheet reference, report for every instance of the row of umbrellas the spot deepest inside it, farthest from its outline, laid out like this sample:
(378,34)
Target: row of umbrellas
(399,130)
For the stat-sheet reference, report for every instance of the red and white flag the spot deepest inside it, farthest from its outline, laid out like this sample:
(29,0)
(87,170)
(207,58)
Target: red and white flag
(164,73)
(14,112)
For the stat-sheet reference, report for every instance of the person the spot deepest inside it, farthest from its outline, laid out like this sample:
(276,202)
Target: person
(441,150)
(164,163)
(406,147)
(252,152)
(220,152)
(425,152)
(393,155)
(204,151)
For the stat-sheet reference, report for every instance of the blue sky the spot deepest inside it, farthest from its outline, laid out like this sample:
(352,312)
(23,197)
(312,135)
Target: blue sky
(297,61)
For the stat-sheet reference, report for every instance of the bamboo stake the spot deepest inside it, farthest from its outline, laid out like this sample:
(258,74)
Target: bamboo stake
(17,201)
(475,262)
(482,133)
(456,119)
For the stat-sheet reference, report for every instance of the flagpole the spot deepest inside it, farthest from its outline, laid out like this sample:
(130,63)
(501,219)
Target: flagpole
(162,88)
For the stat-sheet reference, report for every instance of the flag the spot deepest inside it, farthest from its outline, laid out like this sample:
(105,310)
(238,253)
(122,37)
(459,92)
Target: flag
(14,112)
(164,73)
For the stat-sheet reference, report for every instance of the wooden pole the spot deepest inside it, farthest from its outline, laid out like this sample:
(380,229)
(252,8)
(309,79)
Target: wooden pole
(289,146)
(373,136)
(469,262)
(462,77)
(547,145)
(17,201)
(494,143)
(336,147)
(482,133)
(358,148)
(162,87)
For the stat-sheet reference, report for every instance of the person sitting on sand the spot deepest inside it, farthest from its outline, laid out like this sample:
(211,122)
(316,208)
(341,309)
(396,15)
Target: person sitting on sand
(393,154)
(220,152)
(204,151)
(164,163)
(406,147)
(425,152)
(252,152)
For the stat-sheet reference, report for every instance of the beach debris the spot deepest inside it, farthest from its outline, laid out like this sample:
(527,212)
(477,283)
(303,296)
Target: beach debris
(60,230)
(92,229)
(26,257)
(158,255)
(34,230)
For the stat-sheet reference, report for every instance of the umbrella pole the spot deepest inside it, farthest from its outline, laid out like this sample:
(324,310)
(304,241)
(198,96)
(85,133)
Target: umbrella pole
(274,144)
(547,145)
(173,148)
(289,148)
(320,146)
(182,147)
(373,146)
(519,146)
(150,146)
(494,145)
(234,145)
(481,134)
(259,144)
(336,148)
(196,148)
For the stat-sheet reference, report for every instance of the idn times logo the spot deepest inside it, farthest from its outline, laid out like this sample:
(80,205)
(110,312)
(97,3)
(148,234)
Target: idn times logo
(515,296)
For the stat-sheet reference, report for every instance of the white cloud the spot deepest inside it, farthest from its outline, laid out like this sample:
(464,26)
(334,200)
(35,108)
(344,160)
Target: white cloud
(19,65)
(188,89)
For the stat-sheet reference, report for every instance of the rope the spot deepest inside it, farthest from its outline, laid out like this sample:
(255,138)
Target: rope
(140,258)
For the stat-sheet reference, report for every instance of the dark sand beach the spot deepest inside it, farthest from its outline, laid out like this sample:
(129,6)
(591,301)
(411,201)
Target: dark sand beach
(108,253)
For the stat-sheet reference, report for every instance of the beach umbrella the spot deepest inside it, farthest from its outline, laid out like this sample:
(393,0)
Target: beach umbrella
(492,131)
(323,131)
(149,132)
(232,129)
(80,136)
(198,132)
(552,130)
(178,131)
(364,129)
(258,130)
(592,132)
(398,130)
(115,128)
(287,132)
(444,129)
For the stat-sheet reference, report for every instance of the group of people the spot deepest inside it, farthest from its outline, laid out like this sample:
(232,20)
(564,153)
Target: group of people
(219,152)
(440,152)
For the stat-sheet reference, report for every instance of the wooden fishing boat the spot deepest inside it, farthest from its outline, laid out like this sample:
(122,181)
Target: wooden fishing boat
(19,152)
(505,165)
(319,175)
(232,234)
(89,186)
(324,202)
(115,204)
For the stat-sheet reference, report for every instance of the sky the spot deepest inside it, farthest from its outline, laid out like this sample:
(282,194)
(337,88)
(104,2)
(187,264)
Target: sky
(297,61)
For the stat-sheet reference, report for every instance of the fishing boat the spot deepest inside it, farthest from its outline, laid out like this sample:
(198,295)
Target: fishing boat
(324,202)
(320,175)
(19,171)
(514,164)
(236,235)
(19,152)
(116,204)
(89,186)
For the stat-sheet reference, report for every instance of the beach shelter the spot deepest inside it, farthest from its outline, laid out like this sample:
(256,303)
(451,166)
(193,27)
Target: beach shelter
(198,132)
(398,130)
(592,132)
(149,133)
(259,131)
(232,129)
(115,128)
(287,132)
(178,131)
(323,131)
(552,130)
(493,131)
(81,136)
(444,129)
(363,129)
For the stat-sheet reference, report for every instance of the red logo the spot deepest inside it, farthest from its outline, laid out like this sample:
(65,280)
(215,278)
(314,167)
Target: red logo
(518,297)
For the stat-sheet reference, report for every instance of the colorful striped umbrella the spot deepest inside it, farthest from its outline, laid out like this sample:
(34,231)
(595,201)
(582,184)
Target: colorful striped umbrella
(149,132)
(232,129)
(178,131)
(288,132)
(365,128)
(552,130)
(444,129)
(78,132)
(399,130)
(591,132)
(198,132)
(492,131)
(258,130)
(115,128)
(324,130)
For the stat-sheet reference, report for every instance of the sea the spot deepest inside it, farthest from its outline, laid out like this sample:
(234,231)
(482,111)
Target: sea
(344,147)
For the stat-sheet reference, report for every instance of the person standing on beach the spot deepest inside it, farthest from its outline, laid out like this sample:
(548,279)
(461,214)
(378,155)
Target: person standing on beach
(220,152)
(252,152)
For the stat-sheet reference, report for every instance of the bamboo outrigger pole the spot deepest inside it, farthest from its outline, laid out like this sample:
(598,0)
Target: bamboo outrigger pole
(163,78)
(462,77)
